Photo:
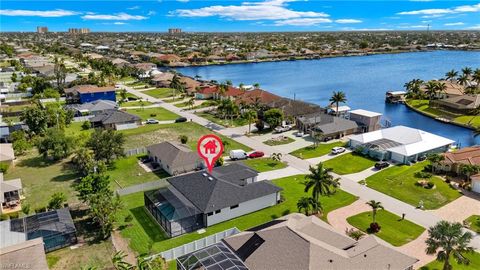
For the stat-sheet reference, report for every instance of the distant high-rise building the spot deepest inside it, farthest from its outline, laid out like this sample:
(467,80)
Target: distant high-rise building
(42,29)
(79,30)
(174,30)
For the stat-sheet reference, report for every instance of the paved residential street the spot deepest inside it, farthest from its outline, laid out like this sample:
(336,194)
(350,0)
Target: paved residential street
(421,217)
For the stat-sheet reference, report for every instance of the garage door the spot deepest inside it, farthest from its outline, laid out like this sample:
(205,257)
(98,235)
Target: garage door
(476,186)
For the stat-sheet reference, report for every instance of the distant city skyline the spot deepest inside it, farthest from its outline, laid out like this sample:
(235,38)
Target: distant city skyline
(239,16)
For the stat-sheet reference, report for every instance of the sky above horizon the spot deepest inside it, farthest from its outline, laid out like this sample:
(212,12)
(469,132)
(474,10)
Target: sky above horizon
(239,16)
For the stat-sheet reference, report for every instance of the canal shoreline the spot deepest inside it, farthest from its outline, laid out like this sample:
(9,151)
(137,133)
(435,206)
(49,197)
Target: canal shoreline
(436,117)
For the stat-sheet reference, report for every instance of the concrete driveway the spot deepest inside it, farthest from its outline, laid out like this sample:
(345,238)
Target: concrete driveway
(300,142)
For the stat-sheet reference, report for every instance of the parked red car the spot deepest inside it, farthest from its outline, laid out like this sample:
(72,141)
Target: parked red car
(256,154)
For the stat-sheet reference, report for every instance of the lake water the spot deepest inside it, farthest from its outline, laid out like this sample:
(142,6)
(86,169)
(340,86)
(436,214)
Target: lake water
(364,79)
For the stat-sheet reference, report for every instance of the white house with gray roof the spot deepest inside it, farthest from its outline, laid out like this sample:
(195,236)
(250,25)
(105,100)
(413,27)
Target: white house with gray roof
(201,199)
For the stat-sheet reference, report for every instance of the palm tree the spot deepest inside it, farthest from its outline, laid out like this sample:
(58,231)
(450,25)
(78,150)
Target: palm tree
(176,85)
(476,76)
(251,116)
(304,204)
(413,87)
(467,71)
(337,98)
(222,88)
(320,181)
(276,157)
(468,170)
(256,85)
(463,79)
(119,263)
(435,160)
(375,206)
(449,239)
(431,89)
(451,75)
(190,102)
(441,87)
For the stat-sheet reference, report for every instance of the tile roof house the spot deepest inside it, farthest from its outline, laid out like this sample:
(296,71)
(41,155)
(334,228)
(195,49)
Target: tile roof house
(115,119)
(89,93)
(298,242)
(174,158)
(29,253)
(162,80)
(257,96)
(465,156)
(201,199)
(459,104)
(327,125)
(10,195)
(400,144)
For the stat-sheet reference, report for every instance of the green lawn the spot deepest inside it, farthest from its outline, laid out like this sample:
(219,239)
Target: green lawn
(474,222)
(349,163)
(423,105)
(129,95)
(312,152)
(135,103)
(40,179)
(399,182)
(159,92)
(145,232)
(393,230)
(273,142)
(127,172)
(94,255)
(223,122)
(151,134)
(206,103)
(474,263)
(264,164)
(158,113)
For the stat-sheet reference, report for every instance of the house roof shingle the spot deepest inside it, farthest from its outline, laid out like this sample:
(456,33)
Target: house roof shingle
(174,154)
(114,116)
(87,88)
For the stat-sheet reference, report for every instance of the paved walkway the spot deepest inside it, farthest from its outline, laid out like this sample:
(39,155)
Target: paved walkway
(288,171)
(315,161)
(460,209)
(423,218)
(362,175)
(338,218)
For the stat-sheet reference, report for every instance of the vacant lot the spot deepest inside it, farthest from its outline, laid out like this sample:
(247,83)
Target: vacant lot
(159,92)
(394,230)
(349,163)
(236,122)
(145,232)
(264,164)
(158,113)
(399,182)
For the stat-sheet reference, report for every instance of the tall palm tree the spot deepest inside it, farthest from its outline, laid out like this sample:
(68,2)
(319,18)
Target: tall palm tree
(448,239)
(190,102)
(222,88)
(476,76)
(467,71)
(276,157)
(303,204)
(251,116)
(441,87)
(320,181)
(468,170)
(375,206)
(462,79)
(431,89)
(451,75)
(337,98)
(176,85)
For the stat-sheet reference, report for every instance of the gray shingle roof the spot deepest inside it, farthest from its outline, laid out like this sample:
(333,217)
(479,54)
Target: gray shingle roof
(94,106)
(327,123)
(174,154)
(114,117)
(209,193)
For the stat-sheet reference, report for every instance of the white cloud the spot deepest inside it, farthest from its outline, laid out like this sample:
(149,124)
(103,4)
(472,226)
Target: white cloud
(37,13)
(427,21)
(365,29)
(475,27)
(268,10)
(134,8)
(443,11)
(302,21)
(414,26)
(119,23)
(348,21)
(454,24)
(151,13)
(117,17)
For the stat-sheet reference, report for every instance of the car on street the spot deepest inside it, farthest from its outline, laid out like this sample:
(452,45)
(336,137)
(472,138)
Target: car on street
(338,150)
(381,165)
(299,134)
(152,121)
(256,154)
(238,154)
(181,120)
(281,129)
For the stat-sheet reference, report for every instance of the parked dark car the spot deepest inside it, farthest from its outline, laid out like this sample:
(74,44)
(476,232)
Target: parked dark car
(181,120)
(381,165)
(326,139)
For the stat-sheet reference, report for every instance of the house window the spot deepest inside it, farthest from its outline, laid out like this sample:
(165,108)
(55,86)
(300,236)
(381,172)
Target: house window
(210,214)
(234,206)
(218,211)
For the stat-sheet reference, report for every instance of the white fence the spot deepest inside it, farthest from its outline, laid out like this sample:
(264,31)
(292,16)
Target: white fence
(135,151)
(82,118)
(174,253)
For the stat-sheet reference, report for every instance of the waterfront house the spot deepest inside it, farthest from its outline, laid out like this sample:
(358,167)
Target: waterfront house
(463,104)
(115,119)
(55,228)
(296,242)
(400,144)
(466,156)
(258,97)
(325,125)
(29,253)
(367,120)
(201,199)
(10,195)
(89,93)
(162,80)
(174,158)
(206,92)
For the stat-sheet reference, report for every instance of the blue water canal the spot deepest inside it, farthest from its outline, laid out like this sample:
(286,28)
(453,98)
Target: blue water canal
(364,79)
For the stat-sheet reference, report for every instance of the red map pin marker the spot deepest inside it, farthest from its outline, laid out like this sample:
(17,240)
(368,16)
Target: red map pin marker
(210,148)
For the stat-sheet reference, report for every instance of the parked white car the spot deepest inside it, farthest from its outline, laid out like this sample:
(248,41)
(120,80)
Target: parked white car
(299,134)
(152,121)
(337,150)
(281,129)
